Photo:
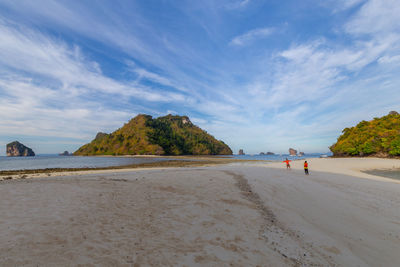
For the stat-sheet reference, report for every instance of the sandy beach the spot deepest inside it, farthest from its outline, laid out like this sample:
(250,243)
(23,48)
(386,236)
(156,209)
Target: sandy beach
(236,214)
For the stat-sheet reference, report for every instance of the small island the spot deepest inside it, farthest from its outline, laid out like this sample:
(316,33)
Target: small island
(145,135)
(268,153)
(16,149)
(65,153)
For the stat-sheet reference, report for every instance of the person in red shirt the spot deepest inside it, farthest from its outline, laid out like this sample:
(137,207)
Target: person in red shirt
(287,163)
(306,167)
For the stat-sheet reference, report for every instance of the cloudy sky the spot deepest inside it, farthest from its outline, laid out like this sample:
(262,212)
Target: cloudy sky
(260,75)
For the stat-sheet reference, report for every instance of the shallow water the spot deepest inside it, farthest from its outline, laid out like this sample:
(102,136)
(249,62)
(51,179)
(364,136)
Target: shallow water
(392,173)
(55,161)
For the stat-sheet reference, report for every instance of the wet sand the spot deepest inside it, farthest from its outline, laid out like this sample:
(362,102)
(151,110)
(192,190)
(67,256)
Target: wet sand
(388,173)
(244,214)
(174,161)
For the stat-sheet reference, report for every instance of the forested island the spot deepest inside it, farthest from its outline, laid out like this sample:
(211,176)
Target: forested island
(378,137)
(145,135)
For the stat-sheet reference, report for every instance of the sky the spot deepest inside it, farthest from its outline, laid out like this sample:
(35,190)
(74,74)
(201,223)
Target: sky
(259,75)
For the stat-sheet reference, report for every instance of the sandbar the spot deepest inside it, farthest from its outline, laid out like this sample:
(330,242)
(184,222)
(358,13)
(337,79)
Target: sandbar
(231,214)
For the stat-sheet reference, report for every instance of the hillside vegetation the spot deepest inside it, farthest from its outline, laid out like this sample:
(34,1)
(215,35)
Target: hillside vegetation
(144,135)
(380,137)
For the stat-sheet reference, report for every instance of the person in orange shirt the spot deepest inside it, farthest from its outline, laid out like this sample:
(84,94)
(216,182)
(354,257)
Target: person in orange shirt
(287,163)
(306,167)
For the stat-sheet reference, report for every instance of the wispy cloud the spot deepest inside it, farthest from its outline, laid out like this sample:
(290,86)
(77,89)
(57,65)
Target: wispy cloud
(319,81)
(341,5)
(30,51)
(376,17)
(78,68)
(251,36)
(154,77)
(390,59)
(237,4)
(49,88)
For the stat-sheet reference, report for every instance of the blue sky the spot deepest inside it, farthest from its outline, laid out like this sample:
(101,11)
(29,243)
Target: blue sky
(260,75)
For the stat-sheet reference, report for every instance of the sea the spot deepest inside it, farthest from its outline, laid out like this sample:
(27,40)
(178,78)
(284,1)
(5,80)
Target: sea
(56,161)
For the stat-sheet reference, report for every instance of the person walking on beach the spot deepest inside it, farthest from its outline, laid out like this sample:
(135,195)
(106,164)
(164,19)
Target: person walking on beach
(287,163)
(306,167)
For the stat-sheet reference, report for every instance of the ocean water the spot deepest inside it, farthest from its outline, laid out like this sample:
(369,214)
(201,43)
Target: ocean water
(55,161)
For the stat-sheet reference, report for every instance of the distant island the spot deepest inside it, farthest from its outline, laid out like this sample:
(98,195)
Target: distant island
(65,153)
(145,135)
(378,137)
(268,153)
(16,149)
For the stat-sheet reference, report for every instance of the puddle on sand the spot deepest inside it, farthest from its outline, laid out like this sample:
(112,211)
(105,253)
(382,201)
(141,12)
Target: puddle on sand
(389,173)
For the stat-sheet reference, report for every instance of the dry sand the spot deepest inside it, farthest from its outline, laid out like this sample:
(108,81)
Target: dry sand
(347,166)
(247,214)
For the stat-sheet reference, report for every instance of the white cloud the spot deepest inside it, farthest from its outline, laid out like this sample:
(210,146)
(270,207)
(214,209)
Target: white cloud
(236,4)
(308,91)
(41,111)
(345,4)
(310,71)
(154,77)
(376,17)
(49,88)
(26,50)
(389,59)
(242,3)
(319,87)
(251,36)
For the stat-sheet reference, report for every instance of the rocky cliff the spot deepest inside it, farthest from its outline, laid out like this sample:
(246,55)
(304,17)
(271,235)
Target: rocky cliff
(144,135)
(16,149)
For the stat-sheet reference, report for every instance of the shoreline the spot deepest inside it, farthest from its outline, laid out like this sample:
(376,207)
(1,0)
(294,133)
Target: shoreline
(362,167)
(173,163)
